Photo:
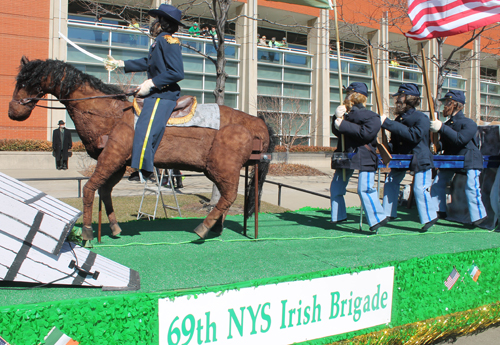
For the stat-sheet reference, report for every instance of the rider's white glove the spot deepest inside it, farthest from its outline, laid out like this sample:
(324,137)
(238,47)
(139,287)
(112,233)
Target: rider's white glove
(111,63)
(436,126)
(145,88)
(341,110)
(382,119)
(337,123)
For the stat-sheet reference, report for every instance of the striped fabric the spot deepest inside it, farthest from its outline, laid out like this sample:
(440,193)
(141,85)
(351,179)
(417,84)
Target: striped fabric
(56,337)
(442,18)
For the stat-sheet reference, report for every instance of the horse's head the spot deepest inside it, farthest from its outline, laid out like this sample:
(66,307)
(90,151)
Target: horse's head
(21,105)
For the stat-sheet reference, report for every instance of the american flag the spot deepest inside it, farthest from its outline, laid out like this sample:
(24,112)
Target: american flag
(442,18)
(452,278)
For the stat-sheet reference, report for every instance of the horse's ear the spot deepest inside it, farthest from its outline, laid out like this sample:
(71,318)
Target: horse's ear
(24,60)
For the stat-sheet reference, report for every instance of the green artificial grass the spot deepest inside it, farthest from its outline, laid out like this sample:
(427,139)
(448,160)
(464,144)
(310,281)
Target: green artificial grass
(168,255)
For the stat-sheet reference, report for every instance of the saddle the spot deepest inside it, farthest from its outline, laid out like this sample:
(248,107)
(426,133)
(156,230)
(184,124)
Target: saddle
(182,113)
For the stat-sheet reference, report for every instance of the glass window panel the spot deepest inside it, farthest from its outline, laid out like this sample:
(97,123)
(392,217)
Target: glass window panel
(302,91)
(484,110)
(493,100)
(96,71)
(333,65)
(393,88)
(333,107)
(293,123)
(269,103)
(297,60)
(70,124)
(76,55)
(210,49)
(135,78)
(269,72)
(197,94)
(456,83)
(123,54)
(360,69)
(484,87)
(412,77)
(268,88)
(134,40)
(395,74)
(232,68)
(368,82)
(299,76)
(90,35)
(193,63)
(231,84)
(209,67)
(194,44)
(334,80)
(192,81)
(493,88)
(209,97)
(345,66)
(293,105)
(231,100)
(231,52)
(483,99)
(334,94)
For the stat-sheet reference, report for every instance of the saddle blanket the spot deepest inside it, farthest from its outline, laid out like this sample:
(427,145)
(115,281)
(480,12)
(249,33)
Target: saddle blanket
(205,115)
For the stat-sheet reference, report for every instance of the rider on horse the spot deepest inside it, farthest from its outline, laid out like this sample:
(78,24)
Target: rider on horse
(161,91)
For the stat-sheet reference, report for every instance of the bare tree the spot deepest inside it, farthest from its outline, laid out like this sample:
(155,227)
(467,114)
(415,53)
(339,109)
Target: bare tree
(284,115)
(394,13)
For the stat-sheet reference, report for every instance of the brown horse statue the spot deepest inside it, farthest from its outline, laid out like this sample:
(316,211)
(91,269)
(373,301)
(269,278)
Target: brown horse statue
(219,154)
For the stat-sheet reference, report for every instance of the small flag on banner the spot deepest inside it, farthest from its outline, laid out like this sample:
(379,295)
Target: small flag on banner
(452,278)
(56,337)
(474,272)
(3,342)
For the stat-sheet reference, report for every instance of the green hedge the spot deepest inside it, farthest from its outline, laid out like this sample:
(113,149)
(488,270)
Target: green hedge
(34,145)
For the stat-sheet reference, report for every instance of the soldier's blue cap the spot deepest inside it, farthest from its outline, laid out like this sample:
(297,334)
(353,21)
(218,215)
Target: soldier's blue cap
(408,89)
(455,95)
(358,87)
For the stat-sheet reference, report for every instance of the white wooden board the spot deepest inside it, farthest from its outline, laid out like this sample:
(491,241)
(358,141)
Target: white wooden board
(33,216)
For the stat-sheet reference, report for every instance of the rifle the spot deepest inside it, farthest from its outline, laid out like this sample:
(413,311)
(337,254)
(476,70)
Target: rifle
(382,147)
(434,136)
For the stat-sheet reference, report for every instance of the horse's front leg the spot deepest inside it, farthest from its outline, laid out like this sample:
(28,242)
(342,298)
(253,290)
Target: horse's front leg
(109,170)
(105,193)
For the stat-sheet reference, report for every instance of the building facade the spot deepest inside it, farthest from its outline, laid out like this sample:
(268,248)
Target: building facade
(296,87)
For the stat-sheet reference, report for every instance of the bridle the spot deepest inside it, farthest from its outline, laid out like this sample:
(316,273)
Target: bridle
(41,97)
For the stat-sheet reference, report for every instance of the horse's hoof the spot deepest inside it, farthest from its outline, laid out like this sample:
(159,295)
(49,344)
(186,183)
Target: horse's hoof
(87,233)
(218,227)
(115,229)
(202,231)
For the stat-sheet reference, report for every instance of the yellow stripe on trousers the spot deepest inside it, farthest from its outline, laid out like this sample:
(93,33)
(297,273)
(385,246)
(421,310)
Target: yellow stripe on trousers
(147,132)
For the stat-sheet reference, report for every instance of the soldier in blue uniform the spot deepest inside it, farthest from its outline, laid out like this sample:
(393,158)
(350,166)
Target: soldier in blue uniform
(458,137)
(165,69)
(359,127)
(410,135)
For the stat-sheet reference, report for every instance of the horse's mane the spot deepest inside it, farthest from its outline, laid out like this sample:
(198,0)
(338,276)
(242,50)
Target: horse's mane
(68,77)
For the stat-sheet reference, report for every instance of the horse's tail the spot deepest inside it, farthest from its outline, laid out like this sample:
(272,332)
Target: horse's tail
(263,169)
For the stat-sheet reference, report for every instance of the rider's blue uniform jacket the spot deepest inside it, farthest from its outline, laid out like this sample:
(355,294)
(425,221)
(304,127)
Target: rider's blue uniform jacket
(410,135)
(164,66)
(458,137)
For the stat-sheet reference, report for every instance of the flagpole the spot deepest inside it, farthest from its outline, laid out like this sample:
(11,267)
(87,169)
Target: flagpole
(339,69)
(430,101)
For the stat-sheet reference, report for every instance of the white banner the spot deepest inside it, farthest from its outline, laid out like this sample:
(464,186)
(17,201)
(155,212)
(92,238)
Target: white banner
(282,313)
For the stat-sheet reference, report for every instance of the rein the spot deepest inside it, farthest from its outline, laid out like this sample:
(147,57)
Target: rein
(27,100)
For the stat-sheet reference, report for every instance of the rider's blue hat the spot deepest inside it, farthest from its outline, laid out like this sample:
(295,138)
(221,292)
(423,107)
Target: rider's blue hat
(168,11)
(358,87)
(408,89)
(455,95)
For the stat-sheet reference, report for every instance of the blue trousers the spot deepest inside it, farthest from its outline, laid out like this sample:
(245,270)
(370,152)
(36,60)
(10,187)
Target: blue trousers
(367,194)
(472,192)
(425,205)
(149,131)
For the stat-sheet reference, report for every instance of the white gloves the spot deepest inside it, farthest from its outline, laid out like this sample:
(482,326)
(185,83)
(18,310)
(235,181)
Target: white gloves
(382,119)
(145,88)
(111,64)
(337,122)
(436,126)
(341,110)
